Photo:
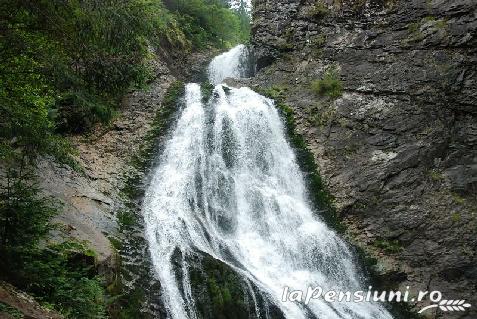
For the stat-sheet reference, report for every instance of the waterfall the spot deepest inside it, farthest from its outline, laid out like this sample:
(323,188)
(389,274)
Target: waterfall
(231,64)
(228,185)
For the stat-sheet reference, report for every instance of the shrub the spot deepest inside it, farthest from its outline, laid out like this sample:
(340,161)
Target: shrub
(389,246)
(319,10)
(330,85)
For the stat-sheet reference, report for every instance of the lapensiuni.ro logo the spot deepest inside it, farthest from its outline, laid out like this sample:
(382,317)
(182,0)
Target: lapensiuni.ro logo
(435,297)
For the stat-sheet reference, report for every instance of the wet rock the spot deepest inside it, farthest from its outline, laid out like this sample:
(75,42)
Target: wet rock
(219,292)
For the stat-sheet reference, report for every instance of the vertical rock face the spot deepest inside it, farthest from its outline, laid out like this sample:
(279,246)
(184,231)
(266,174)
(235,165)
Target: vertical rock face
(398,148)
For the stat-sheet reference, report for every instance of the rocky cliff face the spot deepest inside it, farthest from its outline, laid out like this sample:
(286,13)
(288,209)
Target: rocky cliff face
(398,148)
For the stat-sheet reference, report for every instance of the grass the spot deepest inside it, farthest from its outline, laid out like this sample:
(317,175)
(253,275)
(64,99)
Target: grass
(435,175)
(324,116)
(330,85)
(389,246)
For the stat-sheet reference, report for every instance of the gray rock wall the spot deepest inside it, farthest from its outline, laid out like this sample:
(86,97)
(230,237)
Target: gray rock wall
(398,149)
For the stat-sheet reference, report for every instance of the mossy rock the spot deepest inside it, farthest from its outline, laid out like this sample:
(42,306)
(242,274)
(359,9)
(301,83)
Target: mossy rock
(219,292)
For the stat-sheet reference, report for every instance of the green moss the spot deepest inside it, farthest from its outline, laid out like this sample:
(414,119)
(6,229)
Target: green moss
(458,199)
(218,291)
(428,19)
(122,305)
(389,246)
(131,305)
(115,242)
(318,10)
(126,218)
(320,196)
(330,85)
(161,122)
(436,175)
(441,24)
(456,217)
(207,89)
(320,40)
(413,27)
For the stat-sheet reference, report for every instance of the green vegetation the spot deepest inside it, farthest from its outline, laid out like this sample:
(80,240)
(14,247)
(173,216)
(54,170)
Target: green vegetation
(319,195)
(128,304)
(12,312)
(415,28)
(458,199)
(71,74)
(206,89)
(60,276)
(211,22)
(225,293)
(436,175)
(389,246)
(318,10)
(324,115)
(65,66)
(456,217)
(320,40)
(330,85)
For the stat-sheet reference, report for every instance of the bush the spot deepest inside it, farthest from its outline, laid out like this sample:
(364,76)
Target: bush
(319,10)
(330,85)
(63,277)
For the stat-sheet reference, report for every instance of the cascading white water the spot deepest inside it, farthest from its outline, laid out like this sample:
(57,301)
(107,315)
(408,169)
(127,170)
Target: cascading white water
(228,185)
(231,64)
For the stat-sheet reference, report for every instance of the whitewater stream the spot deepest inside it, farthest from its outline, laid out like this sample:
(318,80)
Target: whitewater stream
(228,185)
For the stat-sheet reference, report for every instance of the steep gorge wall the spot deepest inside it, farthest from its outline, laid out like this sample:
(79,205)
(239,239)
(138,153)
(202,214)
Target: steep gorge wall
(398,149)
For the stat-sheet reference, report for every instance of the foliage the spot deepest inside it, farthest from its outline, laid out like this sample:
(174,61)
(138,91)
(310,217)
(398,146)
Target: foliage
(211,22)
(217,290)
(64,67)
(24,217)
(67,63)
(10,311)
(63,276)
(330,85)
(60,275)
(126,304)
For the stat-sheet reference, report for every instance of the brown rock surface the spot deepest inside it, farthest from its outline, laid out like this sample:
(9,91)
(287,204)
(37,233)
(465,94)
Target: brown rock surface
(24,304)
